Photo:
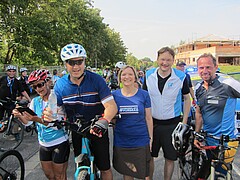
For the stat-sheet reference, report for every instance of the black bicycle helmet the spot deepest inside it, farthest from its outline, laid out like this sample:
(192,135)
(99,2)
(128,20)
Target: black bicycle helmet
(180,137)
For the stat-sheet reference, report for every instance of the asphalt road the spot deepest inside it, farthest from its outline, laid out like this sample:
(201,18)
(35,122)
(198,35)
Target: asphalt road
(29,151)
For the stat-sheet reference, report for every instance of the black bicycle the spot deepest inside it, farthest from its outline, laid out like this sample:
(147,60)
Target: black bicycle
(12,132)
(11,166)
(189,157)
(192,161)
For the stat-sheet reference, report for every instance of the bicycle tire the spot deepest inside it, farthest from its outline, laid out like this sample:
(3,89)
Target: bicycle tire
(13,138)
(12,165)
(190,165)
(185,166)
(83,175)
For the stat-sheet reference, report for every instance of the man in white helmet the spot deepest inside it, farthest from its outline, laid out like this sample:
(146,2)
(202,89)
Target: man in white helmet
(86,93)
(9,88)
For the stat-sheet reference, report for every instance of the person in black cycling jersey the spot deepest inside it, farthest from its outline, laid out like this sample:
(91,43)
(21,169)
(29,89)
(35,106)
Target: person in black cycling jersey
(24,80)
(9,88)
(216,104)
(86,93)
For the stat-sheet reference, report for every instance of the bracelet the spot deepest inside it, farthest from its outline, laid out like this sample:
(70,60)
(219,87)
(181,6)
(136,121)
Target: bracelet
(42,120)
(102,118)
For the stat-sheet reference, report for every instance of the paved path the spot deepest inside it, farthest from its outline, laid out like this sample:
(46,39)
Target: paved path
(29,150)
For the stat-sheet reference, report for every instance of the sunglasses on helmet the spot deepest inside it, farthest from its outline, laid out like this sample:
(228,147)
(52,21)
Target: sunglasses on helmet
(39,85)
(74,62)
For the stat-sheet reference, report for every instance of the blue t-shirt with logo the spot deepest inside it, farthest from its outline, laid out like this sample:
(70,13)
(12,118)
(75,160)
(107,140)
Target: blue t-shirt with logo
(131,129)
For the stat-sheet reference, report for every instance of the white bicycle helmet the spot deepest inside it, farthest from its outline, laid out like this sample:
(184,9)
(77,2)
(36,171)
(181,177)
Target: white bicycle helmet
(120,64)
(11,67)
(23,69)
(72,51)
(180,137)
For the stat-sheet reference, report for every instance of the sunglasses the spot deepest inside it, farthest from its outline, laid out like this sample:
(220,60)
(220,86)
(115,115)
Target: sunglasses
(74,62)
(39,85)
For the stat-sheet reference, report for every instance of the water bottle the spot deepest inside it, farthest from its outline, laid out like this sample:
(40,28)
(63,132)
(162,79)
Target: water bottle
(52,103)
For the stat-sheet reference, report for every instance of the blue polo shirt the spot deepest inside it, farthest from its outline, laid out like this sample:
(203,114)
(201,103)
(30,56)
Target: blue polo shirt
(218,104)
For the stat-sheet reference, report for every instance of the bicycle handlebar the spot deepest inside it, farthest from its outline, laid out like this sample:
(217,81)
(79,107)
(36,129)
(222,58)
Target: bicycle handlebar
(80,126)
(9,100)
(223,138)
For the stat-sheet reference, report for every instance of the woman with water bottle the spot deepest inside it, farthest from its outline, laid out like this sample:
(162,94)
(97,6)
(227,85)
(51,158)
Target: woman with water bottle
(54,145)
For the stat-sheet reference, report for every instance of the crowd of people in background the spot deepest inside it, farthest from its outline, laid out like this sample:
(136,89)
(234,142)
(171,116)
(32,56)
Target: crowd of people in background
(151,103)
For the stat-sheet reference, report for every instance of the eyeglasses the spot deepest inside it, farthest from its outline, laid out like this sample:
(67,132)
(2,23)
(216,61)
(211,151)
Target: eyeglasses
(74,62)
(39,85)
(11,71)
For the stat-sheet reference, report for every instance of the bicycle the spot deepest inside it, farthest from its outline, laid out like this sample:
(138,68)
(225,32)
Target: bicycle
(192,160)
(11,166)
(85,166)
(12,133)
(31,128)
(220,155)
(189,157)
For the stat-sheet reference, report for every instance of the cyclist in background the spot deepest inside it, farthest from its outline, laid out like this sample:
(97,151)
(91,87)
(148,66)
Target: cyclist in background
(9,88)
(216,102)
(181,66)
(86,93)
(54,146)
(24,80)
(55,76)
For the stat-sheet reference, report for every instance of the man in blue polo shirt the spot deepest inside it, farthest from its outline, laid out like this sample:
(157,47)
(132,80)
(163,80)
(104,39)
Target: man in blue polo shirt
(86,93)
(215,110)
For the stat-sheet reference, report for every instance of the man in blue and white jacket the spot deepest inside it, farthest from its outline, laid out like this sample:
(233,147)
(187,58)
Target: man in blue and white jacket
(166,86)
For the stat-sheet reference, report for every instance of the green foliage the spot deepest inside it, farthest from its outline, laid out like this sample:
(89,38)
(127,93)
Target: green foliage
(33,32)
(142,64)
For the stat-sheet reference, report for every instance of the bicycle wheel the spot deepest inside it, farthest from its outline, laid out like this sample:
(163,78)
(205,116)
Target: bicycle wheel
(12,137)
(83,175)
(12,165)
(185,166)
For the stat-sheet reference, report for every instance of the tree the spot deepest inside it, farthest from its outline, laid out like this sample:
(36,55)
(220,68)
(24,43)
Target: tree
(33,32)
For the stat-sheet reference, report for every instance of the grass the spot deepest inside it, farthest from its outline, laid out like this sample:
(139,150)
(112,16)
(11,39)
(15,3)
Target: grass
(231,69)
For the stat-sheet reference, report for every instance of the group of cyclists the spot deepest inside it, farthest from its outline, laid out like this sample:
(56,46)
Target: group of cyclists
(151,105)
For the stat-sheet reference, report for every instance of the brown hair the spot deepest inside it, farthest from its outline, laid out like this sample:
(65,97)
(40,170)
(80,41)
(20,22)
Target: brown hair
(125,67)
(166,49)
(214,60)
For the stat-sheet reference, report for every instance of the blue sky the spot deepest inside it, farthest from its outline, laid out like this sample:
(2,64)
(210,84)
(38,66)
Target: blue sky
(147,25)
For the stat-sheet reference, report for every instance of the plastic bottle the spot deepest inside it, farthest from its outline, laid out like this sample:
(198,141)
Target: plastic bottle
(52,103)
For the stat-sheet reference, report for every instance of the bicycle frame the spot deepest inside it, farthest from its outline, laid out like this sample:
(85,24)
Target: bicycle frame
(219,160)
(86,153)
(85,166)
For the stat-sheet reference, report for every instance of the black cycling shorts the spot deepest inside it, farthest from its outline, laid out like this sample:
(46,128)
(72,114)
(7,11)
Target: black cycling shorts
(162,137)
(98,146)
(58,154)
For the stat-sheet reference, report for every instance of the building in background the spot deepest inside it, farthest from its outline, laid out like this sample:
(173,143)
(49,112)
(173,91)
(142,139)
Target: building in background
(225,50)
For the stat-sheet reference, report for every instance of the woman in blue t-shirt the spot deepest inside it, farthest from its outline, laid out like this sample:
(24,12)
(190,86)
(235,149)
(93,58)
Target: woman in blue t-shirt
(133,131)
